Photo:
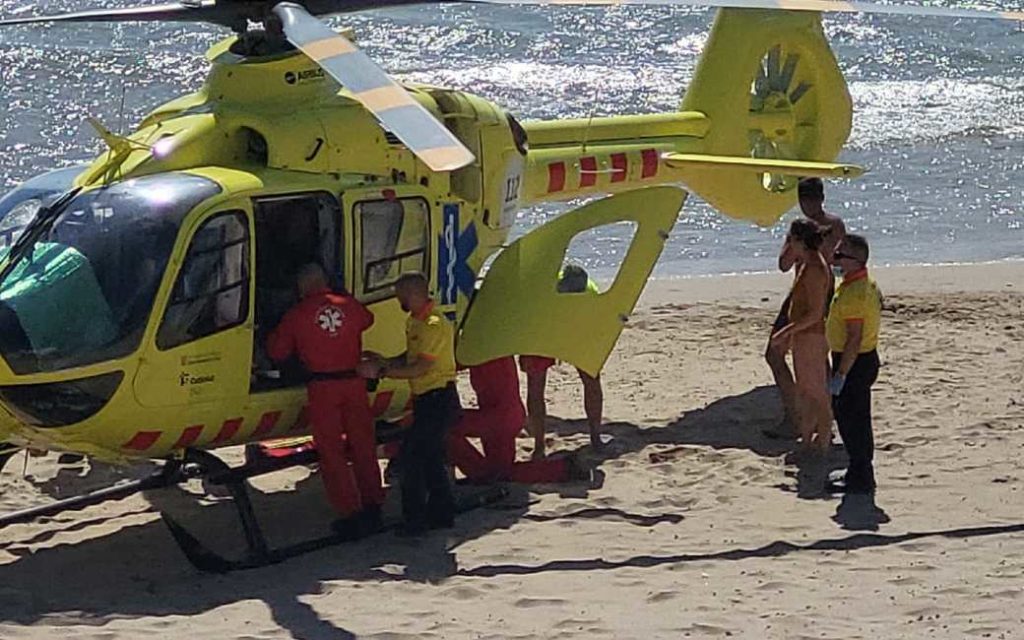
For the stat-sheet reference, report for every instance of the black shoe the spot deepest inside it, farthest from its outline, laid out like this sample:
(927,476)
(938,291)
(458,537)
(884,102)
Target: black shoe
(406,530)
(347,529)
(370,520)
(441,522)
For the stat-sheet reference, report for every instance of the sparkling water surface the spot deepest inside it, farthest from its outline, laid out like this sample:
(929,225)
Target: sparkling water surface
(938,108)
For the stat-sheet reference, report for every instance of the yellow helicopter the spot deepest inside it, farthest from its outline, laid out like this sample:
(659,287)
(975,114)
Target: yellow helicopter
(136,292)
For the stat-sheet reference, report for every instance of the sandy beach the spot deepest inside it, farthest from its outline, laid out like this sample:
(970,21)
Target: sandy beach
(693,526)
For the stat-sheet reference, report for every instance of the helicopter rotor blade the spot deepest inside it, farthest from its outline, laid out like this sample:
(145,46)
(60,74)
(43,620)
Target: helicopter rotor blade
(183,11)
(823,6)
(389,102)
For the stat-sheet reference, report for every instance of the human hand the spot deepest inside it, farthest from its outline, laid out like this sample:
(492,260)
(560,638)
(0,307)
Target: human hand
(369,369)
(835,386)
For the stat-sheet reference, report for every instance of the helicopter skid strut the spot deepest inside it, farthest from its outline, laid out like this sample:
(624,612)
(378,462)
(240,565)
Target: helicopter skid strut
(203,464)
(258,553)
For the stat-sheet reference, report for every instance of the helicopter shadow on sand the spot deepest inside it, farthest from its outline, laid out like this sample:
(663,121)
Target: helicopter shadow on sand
(115,569)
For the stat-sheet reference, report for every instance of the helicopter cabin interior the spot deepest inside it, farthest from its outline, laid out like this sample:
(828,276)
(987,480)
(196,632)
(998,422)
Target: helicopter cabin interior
(389,235)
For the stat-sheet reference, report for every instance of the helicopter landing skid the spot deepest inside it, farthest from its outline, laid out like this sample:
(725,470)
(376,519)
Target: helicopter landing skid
(258,553)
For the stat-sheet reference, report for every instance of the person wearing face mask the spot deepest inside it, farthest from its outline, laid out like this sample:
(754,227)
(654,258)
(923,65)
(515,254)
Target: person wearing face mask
(811,193)
(852,331)
(804,335)
(429,366)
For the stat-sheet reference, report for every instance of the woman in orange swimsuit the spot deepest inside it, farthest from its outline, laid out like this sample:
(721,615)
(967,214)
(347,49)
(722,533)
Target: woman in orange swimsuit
(805,335)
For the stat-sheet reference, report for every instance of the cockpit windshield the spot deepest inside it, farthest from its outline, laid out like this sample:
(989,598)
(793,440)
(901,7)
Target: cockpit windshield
(18,207)
(83,291)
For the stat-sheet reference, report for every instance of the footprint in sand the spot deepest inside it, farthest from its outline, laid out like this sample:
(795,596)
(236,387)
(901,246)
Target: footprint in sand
(531,603)
(662,596)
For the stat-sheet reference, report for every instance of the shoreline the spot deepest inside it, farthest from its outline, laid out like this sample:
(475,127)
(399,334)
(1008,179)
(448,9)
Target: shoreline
(766,289)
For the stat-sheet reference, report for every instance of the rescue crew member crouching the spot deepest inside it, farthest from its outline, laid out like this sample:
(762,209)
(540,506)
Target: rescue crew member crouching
(497,420)
(325,331)
(429,366)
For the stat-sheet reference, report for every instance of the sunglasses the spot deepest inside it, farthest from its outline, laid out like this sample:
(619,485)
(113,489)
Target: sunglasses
(839,255)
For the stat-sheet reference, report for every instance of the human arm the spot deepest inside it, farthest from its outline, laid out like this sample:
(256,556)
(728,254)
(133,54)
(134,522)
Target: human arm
(854,335)
(404,369)
(809,281)
(787,257)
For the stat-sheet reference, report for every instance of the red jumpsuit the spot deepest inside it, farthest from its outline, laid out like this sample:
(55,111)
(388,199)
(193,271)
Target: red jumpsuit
(497,422)
(325,331)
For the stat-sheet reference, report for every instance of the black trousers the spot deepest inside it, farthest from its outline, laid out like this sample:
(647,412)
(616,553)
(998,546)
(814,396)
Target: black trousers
(426,487)
(852,410)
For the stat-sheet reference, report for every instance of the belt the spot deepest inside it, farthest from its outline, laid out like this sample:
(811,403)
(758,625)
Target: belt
(345,374)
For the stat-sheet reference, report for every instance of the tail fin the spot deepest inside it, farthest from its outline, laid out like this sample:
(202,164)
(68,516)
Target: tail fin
(771,87)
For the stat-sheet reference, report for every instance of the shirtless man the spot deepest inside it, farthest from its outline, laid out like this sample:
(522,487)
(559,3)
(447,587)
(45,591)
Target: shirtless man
(812,199)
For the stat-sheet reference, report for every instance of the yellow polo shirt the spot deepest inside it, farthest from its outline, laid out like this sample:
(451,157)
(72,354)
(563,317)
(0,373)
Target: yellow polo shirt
(429,335)
(857,299)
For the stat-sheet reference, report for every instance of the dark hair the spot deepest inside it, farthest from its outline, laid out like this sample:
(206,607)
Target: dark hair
(808,232)
(858,243)
(811,188)
(412,279)
(573,279)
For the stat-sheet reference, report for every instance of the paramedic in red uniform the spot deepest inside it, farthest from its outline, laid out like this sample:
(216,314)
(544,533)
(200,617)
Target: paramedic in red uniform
(325,331)
(497,421)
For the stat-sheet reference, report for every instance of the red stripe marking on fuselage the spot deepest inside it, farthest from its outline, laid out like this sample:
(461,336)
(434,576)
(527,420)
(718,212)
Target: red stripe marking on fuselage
(556,177)
(588,171)
(188,436)
(142,440)
(227,430)
(620,163)
(650,158)
(267,423)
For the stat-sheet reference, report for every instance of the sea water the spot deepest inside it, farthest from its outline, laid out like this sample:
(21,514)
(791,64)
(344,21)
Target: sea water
(938,109)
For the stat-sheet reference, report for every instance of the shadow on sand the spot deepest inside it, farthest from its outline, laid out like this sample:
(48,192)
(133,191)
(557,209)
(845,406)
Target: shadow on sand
(138,571)
(734,422)
(774,550)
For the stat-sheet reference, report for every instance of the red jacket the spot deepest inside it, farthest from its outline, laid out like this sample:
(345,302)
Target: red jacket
(325,330)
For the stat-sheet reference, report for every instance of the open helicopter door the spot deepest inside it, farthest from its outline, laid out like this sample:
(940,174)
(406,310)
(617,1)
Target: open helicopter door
(518,309)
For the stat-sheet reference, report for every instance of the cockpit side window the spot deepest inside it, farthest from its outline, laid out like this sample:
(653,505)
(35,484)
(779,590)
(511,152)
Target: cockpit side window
(393,240)
(211,293)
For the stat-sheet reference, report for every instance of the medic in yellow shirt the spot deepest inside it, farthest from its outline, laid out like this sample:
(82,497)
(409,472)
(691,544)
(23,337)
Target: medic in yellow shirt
(429,366)
(852,331)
